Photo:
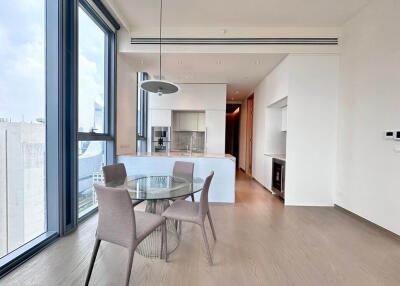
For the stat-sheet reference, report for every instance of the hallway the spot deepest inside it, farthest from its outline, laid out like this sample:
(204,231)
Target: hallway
(259,242)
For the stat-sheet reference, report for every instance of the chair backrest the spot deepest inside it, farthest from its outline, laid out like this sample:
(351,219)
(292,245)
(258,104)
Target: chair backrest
(183,170)
(203,209)
(115,173)
(116,216)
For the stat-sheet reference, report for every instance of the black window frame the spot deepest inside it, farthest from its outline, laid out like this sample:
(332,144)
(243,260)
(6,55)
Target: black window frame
(142,101)
(109,98)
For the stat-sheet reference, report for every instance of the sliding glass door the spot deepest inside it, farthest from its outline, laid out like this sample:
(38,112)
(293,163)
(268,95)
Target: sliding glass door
(95,124)
(23,215)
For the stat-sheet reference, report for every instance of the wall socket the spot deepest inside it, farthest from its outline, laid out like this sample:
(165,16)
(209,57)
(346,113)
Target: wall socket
(389,134)
(396,135)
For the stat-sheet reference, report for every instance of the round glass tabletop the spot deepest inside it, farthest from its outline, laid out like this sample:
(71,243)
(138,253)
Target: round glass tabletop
(158,187)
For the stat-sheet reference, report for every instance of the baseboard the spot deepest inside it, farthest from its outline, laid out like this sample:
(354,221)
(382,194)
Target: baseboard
(221,203)
(261,185)
(368,222)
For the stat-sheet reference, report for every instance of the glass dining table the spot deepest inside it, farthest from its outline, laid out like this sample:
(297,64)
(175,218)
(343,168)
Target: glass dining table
(157,190)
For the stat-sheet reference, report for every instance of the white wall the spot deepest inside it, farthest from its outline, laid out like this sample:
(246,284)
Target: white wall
(192,97)
(242,135)
(310,84)
(369,102)
(311,130)
(272,89)
(126,107)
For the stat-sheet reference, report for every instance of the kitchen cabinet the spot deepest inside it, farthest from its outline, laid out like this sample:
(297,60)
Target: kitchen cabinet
(284,118)
(188,121)
(268,172)
(215,131)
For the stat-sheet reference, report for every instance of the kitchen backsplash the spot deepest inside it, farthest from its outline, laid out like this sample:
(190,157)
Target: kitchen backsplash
(181,141)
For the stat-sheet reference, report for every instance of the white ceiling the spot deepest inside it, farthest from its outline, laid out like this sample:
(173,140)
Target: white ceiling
(241,72)
(238,13)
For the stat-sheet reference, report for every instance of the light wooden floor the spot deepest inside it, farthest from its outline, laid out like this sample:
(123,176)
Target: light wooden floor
(260,242)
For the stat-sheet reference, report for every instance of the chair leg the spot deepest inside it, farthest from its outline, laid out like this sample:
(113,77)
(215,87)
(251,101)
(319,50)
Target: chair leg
(192,195)
(162,241)
(92,260)
(211,224)
(180,228)
(165,241)
(203,230)
(129,268)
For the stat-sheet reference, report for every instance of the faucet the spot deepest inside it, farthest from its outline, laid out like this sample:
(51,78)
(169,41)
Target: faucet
(191,144)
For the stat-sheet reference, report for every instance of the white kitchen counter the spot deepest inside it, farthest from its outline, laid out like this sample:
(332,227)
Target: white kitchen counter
(222,188)
(277,156)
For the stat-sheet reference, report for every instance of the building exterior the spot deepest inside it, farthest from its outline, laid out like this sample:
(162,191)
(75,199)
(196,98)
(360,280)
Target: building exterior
(22,183)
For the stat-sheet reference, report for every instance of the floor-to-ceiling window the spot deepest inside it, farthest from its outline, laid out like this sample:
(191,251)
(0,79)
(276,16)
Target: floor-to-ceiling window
(41,98)
(94,106)
(22,123)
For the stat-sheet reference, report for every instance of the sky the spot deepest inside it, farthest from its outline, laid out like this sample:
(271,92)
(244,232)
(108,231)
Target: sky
(22,81)
(22,63)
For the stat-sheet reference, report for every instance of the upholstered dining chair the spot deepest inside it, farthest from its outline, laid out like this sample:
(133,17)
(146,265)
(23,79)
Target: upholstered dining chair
(182,210)
(120,224)
(184,170)
(117,175)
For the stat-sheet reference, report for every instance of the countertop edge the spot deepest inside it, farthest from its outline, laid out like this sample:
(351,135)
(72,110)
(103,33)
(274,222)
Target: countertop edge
(181,155)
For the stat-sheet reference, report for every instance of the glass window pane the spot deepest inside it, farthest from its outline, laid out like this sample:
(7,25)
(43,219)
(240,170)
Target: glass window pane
(92,50)
(92,157)
(22,123)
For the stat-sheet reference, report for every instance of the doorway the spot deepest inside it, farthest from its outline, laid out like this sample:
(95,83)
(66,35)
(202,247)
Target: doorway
(232,134)
(249,135)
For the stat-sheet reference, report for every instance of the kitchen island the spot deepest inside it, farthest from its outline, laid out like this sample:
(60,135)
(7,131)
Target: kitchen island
(222,188)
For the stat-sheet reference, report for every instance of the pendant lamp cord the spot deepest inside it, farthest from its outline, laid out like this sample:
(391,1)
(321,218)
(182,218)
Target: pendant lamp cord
(161,7)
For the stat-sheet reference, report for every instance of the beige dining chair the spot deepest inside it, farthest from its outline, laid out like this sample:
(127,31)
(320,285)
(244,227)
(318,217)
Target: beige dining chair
(116,174)
(120,224)
(184,170)
(195,213)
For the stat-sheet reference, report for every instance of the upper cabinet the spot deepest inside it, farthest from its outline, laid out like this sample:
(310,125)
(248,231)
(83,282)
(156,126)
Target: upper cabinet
(284,118)
(188,121)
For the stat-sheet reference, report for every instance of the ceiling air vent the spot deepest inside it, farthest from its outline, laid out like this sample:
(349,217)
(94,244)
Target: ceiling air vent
(235,41)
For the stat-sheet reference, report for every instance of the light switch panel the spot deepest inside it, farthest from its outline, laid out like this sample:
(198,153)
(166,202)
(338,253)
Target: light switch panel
(396,135)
